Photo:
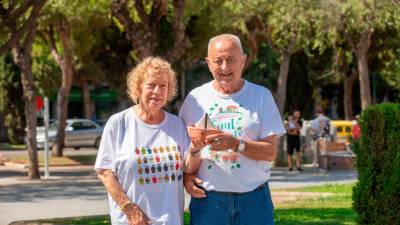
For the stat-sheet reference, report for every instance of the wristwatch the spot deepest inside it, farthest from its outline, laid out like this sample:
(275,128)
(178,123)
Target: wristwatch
(241,145)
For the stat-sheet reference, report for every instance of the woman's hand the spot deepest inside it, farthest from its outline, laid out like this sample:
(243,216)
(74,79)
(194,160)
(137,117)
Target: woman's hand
(135,215)
(196,144)
(222,141)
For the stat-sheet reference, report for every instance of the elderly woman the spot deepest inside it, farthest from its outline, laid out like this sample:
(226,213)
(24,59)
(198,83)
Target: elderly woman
(141,151)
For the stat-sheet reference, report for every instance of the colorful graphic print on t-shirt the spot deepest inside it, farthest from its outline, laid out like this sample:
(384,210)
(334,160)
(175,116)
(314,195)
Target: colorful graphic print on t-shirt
(161,164)
(228,118)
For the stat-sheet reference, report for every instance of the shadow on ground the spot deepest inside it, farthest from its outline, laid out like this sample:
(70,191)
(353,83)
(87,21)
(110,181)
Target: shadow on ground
(86,190)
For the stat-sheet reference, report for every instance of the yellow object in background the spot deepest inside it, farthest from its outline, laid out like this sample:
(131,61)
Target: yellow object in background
(343,128)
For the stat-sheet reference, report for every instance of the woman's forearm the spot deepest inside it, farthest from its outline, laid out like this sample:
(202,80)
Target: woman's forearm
(192,162)
(113,187)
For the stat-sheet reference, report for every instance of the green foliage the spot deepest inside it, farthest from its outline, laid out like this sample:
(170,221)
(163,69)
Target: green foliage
(87,22)
(102,55)
(385,57)
(46,73)
(377,193)
(205,19)
(293,21)
(110,55)
(264,70)
(11,100)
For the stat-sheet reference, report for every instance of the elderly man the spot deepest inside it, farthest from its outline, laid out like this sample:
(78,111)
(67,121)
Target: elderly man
(230,185)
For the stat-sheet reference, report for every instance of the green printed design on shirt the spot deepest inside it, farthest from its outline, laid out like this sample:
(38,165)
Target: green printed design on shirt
(228,118)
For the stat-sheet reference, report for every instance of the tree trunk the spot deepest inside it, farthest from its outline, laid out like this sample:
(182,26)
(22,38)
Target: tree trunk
(282,81)
(87,102)
(252,43)
(22,48)
(348,95)
(361,51)
(363,73)
(22,60)
(63,94)
(181,41)
(62,112)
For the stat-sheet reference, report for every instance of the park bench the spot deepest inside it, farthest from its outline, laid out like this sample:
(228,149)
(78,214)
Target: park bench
(335,156)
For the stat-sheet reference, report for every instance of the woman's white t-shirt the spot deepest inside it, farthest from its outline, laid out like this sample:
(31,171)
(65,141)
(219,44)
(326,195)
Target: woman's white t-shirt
(147,160)
(250,114)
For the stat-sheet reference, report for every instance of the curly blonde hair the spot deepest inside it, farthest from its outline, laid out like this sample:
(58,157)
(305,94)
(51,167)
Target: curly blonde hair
(138,75)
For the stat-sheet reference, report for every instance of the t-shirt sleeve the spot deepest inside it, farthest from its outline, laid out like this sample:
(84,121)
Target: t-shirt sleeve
(271,120)
(105,155)
(184,112)
(185,144)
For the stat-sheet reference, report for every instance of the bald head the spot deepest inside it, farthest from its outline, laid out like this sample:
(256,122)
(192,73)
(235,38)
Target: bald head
(235,39)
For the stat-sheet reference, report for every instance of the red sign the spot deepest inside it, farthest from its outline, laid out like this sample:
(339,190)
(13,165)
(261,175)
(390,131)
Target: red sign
(39,103)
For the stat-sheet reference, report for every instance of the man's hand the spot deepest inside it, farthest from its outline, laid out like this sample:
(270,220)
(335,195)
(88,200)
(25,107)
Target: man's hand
(189,181)
(222,141)
(135,215)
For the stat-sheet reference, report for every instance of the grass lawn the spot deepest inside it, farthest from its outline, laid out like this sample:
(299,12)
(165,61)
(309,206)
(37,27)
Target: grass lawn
(333,210)
(8,146)
(338,188)
(90,220)
(57,161)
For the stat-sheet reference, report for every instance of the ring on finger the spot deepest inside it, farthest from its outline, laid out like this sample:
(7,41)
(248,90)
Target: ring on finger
(217,140)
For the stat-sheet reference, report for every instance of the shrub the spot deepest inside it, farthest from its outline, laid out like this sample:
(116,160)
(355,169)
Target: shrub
(376,196)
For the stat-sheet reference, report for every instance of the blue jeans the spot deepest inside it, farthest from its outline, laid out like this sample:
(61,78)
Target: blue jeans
(219,208)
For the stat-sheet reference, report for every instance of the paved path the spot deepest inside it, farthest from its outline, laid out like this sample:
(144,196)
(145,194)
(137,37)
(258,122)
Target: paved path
(75,191)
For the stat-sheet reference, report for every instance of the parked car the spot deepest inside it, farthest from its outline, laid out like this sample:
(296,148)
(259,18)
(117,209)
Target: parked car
(78,133)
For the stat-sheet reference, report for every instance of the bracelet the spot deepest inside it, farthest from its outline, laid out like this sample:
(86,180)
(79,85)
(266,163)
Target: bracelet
(241,146)
(125,204)
(194,154)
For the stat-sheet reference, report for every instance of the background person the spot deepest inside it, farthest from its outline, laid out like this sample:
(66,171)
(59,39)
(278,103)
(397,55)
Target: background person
(293,128)
(356,129)
(141,151)
(320,128)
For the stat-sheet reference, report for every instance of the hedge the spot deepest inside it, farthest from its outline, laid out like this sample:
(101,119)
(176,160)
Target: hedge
(376,196)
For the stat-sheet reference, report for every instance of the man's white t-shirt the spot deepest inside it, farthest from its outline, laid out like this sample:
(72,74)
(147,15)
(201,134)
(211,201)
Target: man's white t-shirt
(147,160)
(250,114)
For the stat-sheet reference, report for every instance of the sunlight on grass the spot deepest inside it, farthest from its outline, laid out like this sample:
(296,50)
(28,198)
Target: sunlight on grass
(88,220)
(332,210)
(57,161)
(329,210)
(8,146)
(92,220)
(341,188)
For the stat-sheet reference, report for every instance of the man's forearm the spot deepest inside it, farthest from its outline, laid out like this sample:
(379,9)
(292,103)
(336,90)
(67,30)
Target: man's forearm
(265,150)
